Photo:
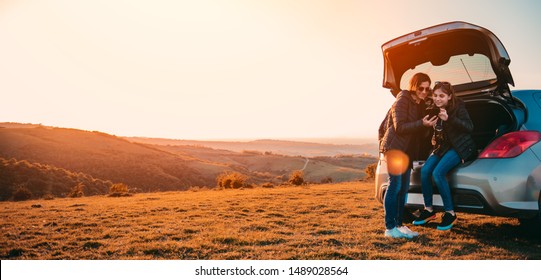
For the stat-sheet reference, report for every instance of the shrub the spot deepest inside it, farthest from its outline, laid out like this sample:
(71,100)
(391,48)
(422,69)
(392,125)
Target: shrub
(119,188)
(77,191)
(223,181)
(296,178)
(22,193)
(370,171)
(267,185)
(231,180)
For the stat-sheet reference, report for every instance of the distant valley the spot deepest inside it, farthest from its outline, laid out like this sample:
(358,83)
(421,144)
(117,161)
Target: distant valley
(51,161)
(283,147)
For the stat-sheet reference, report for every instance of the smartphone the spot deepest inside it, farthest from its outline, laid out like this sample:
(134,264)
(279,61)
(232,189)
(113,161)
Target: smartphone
(431,112)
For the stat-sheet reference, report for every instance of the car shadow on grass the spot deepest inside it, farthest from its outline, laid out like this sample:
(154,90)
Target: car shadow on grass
(514,238)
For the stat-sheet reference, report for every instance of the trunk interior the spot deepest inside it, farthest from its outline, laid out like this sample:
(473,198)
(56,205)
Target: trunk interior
(491,119)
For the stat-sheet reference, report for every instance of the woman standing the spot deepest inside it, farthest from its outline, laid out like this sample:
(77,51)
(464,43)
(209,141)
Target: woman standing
(452,144)
(400,146)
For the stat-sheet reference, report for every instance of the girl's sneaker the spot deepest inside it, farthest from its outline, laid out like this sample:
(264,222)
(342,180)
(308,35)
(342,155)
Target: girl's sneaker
(447,221)
(425,217)
(406,230)
(395,233)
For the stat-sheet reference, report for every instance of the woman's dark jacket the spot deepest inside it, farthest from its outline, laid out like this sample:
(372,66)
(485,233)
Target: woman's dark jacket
(404,125)
(458,129)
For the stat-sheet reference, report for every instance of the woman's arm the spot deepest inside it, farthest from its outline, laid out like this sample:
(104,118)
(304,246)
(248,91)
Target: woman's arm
(400,116)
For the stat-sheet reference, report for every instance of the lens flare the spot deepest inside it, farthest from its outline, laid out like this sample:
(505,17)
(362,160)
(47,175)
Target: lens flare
(397,162)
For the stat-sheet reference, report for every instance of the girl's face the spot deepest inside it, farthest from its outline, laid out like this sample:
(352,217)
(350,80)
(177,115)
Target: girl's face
(422,90)
(441,99)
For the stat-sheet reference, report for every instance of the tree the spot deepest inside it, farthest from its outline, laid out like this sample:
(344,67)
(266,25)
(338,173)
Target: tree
(296,178)
(370,171)
(231,180)
(77,191)
(119,188)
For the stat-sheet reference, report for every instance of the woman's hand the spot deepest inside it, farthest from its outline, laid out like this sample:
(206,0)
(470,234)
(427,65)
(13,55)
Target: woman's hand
(430,122)
(443,114)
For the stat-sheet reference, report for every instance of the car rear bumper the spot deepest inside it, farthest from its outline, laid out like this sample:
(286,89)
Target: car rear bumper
(498,187)
(468,201)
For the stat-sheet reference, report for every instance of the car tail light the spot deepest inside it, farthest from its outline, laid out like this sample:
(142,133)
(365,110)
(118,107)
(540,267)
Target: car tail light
(511,144)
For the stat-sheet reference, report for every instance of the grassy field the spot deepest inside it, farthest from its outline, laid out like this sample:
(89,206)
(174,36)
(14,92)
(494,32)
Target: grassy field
(335,221)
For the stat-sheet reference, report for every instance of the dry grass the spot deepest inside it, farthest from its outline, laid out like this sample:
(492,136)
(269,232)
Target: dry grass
(335,221)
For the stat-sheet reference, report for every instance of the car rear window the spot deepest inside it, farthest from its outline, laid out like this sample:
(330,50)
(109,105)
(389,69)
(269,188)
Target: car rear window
(460,69)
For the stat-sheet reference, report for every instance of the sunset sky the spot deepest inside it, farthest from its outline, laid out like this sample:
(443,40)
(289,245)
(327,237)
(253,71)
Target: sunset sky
(212,69)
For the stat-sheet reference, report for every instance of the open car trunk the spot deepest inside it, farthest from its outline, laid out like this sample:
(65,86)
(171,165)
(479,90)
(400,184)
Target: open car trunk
(491,120)
(492,117)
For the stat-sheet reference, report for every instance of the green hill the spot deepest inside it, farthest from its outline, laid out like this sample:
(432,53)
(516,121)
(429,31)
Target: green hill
(106,157)
(153,167)
(45,180)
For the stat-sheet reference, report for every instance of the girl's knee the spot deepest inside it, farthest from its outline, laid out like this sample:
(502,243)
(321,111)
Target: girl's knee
(438,176)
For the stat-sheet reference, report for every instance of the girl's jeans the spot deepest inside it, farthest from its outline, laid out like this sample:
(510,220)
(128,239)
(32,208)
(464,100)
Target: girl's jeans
(395,198)
(438,167)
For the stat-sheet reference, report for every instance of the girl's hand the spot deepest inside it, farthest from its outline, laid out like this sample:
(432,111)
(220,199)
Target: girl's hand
(430,122)
(443,114)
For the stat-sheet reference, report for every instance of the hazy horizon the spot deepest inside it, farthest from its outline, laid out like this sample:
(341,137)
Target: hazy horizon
(328,140)
(320,140)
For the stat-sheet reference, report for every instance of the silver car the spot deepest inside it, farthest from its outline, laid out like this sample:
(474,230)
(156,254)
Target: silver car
(505,178)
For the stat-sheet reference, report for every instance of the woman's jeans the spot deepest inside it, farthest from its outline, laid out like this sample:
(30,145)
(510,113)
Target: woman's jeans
(395,198)
(438,167)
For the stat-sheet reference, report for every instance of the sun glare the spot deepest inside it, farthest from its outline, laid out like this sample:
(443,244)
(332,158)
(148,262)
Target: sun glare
(397,162)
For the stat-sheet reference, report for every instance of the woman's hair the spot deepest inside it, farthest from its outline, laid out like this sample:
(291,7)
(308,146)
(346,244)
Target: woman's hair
(447,88)
(417,80)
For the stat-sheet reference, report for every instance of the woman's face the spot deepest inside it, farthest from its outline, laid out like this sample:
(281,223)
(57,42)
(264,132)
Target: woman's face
(441,99)
(422,90)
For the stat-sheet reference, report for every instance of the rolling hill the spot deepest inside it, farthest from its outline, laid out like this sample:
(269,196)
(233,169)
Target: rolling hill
(152,167)
(106,157)
(43,180)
